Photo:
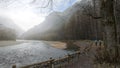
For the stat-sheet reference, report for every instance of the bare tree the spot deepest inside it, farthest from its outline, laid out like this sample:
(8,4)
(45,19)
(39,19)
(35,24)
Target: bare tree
(108,19)
(110,54)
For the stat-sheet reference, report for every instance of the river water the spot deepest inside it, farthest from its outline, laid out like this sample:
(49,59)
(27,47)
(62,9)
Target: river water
(28,53)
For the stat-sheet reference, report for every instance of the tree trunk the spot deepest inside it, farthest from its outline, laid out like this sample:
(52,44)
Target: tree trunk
(110,29)
(108,20)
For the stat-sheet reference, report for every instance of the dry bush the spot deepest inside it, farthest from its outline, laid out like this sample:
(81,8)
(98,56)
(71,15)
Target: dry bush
(108,56)
(71,46)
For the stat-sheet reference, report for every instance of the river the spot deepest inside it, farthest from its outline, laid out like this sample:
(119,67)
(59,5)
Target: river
(28,53)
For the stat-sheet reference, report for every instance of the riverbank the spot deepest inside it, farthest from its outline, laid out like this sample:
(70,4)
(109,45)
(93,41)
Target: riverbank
(33,51)
(10,43)
(27,53)
(55,44)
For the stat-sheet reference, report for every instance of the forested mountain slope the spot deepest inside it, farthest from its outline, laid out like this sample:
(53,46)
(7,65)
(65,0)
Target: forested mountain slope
(8,29)
(74,23)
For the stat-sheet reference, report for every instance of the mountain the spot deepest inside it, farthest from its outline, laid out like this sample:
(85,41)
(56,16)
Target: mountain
(48,30)
(8,29)
(74,23)
(7,33)
(55,25)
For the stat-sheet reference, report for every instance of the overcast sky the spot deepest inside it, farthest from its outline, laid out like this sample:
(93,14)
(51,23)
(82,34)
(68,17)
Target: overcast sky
(28,13)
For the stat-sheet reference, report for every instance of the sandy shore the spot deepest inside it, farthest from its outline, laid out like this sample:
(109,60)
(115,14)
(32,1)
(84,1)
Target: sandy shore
(9,43)
(57,44)
(62,45)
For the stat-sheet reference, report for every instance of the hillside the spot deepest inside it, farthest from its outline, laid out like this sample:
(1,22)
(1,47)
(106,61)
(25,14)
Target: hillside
(53,27)
(74,23)
(8,29)
(50,29)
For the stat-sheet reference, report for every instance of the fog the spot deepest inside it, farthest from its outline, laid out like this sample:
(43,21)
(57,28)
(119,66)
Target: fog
(29,13)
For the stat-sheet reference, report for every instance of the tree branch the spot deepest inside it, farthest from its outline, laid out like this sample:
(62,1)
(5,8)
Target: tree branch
(94,17)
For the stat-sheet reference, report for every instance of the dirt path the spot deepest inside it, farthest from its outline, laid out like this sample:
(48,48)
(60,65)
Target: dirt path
(85,60)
